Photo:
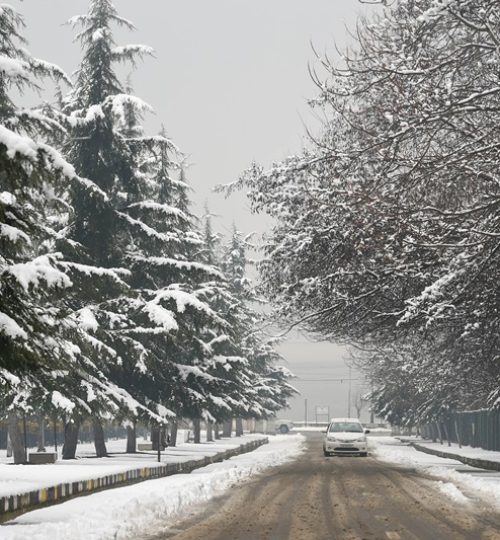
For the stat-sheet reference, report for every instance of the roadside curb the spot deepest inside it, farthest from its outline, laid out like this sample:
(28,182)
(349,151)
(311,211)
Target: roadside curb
(12,506)
(473,462)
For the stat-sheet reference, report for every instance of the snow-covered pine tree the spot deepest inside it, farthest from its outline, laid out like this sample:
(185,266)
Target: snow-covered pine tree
(166,274)
(32,176)
(39,338)
(158,325)
(102,230)
(232,390)
(269,381)
(178,286)
(182,189)
(184,324)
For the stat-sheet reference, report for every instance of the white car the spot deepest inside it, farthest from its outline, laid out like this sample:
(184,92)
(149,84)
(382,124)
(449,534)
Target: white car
(345,436)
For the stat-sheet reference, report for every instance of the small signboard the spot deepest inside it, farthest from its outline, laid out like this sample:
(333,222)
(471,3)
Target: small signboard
(322,410)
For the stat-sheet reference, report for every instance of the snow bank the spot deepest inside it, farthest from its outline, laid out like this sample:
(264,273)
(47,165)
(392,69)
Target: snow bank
(134,511)
(481,484)
(465,451)
(451,491)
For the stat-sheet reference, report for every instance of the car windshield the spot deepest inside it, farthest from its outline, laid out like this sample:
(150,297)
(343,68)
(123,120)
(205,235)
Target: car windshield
(346,427)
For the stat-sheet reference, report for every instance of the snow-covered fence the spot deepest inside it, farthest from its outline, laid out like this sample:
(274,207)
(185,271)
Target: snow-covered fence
(479,429)
(13,505)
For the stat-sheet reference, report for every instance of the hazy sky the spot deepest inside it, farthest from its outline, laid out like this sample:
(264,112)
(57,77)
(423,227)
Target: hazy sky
(230,83)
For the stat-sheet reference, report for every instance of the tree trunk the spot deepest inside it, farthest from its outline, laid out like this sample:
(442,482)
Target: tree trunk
(457,433)
(447,435)
(164,437)
(173,433)
(70,439)
(99,443)
(131,439)
(41,433)
(210,436)
(239,427)
(227,427)
(217,432)
(9,445)
(54,426)
(439,433)
(155,436)
(16,438)
(197,430)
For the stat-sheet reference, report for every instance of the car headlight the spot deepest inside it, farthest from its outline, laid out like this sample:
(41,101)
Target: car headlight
(330,438)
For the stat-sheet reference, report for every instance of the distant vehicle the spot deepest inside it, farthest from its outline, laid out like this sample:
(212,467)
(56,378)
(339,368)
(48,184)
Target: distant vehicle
(345,436)
(284,426)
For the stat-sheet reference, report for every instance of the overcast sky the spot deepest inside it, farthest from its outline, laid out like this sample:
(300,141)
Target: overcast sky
(230,83)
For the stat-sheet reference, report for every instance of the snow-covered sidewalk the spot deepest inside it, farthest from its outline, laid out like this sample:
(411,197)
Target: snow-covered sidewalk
(456,480)
(471,456)
(15,480)
(138,510)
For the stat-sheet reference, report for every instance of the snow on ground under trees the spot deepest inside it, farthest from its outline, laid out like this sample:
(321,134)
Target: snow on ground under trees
(24,478)
(133,511)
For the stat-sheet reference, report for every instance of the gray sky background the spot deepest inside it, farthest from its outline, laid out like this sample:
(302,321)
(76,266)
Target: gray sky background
(230,84)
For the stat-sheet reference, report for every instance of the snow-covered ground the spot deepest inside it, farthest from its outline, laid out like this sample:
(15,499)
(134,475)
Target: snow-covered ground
(465,451)
(135,511)
(455,480)
(24,478)
(88,449)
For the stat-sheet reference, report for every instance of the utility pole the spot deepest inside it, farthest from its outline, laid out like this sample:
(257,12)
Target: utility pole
(349,396)
(159,442)
(305,412)
(372,415)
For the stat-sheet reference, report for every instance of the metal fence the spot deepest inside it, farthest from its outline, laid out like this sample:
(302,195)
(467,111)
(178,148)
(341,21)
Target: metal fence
(479,429)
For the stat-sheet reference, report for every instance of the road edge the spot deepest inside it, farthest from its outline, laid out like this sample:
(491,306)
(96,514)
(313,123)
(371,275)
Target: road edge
(473,462)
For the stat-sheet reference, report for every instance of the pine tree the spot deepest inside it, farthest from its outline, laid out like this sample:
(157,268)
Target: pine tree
(101,230)
(157,324)
(267,382)
(32,176)
(40,337)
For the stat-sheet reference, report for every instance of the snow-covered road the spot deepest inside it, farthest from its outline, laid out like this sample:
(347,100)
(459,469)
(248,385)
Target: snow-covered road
(341,498)
(143,509)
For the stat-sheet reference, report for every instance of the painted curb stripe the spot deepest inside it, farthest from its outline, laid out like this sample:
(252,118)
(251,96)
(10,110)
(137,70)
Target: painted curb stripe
(14,505)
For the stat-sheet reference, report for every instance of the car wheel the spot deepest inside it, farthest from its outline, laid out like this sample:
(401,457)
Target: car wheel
(284,429)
